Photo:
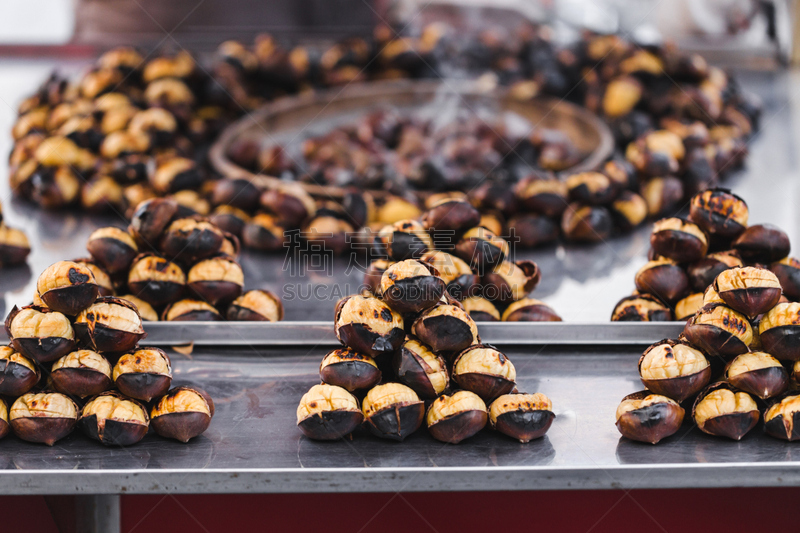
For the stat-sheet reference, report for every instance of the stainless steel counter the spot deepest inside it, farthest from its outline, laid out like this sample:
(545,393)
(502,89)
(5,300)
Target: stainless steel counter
(581,282)
(253,445)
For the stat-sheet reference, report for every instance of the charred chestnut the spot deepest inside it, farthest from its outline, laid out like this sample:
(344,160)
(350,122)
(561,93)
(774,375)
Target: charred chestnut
(151,218)
(530,310)
(719,213)
(327,412)
(44,417)
(450,215)
(719,330)
(509,281)
(291,203)
(188,310)
(591,188)
(763,243)
(114,420)
(461,281)
(143,374)
(757,373)
(678,240)
(779,330)
(674,369)
(703,272)
(446,328)
(144,309)
(368,326)
(782,419)
(156,280)
(67,287)
(586,223)
(82,373)
(749,290)
(524,417)
(191,239)
(410,287)
(110,325)
(481,249)
(264,232)
(456,417)
(480,309)
(392,411)
(18,374)
(14,246)
(647,417)
(484,370)
(664,279)
(40,333)
(788,272)
(641,308)
(346,368)
(256,305)
(404,239)
(218,280)
(687,307)
(724,411)
(112,248)
(629,210)
(421,369)
(182,414)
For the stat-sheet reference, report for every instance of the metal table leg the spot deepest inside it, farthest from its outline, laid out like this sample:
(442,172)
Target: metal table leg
(97,513)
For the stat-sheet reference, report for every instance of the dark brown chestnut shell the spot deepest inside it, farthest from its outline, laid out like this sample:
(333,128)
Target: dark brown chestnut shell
(451,216)
(732,425)
(702,273)
(444,333)
(680,246)
(364,340)
(782,342)
(666,281)
(762,243)
(45,430)
(651,423)
(712,339)
(80,382)
(714,216)
(71,299)
(186,425)
(455,428)
(351,372)
(762,382)
(487,386)
(215,292)
(789,276)
(16,379)
(396,422)
(151,218)
(331,425)
(777,425)
(414,294)
(410,371)
(525,426)
(626,310)
(111,254)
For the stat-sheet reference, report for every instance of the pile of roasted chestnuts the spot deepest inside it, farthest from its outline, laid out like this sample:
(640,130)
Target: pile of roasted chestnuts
(74,360)
(413,356)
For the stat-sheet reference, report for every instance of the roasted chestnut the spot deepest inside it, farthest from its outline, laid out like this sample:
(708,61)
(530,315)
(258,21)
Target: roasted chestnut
(641,308)
(591,188)
(40,333)
(779,330)
(156,280)
(346,368)
(188,310)
(229,219)
(256,305)
(218,280)
(703,272)
(664,279)
(509,281)
(151,218)
(629,210)
(719,213)
(368,325)
(191,239)
(67,287)
(757,373)
(480,309)
(788,272)
(327,412)
(647,417)
(586,223)
(404,239)
(658,153)
(530,310)
(749,290)
(177,174)
(547,196)
(82,373)
(182,414)
(531,231)
(678,240)
(421,369)
(143,374)
(291,203)
(373,274)
(456,417)
(101,277)
(114,419)
(395,209)
(461,281)
(481,249)
(719,330)
(674,369)
(450,215)
(14,246)
(110,324)
(331,232)
(18,374)
(145,310)
(410,287)
(662,195)
(112,248)
(44,417)
(446,328)
(725,411)
(687,307)
(493,222)
(191,203)
(4,425)
(484,370)
(392,411)
(710,296)
(524,417)
(780,418)
(264,232)
(763,243)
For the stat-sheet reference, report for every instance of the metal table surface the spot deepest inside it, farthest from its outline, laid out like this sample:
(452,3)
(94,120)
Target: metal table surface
(252,444)
(581,282)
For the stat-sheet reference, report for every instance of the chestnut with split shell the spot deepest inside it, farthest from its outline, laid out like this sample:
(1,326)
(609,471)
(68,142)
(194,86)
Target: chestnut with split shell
(373,274)
(521,416)
(44,417)
(392,411)
(509,282)
(67,287)
(155,279)
(782,418)
(144,309)
(591,188)
(719,213)
(481,248)
(647,417)
(586,223)
(182,414)
(459,278)
(410,286)
(674,369)
(424,371)
(404,239)
(217,280)
(143,374)
(112,248)
(81,373)
(190,311)
(256,305)
(719,330)
(110,324)
(450,215)
(678,240)
(763,243)
(547,196)
(456,417)
(749,290)
(530,310)
(664,279)
(446,328)
(346,368)
(114,420)
(480,309)
(369,326)
(191,239)
(18,373)
(5,427)
(757,373)
(328,412)
(779,330)
(703,272)
(40,333)
(724,411)
(687,307)
(788,272)
(484,370)
(641,308)
(14,246)
(150,219)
